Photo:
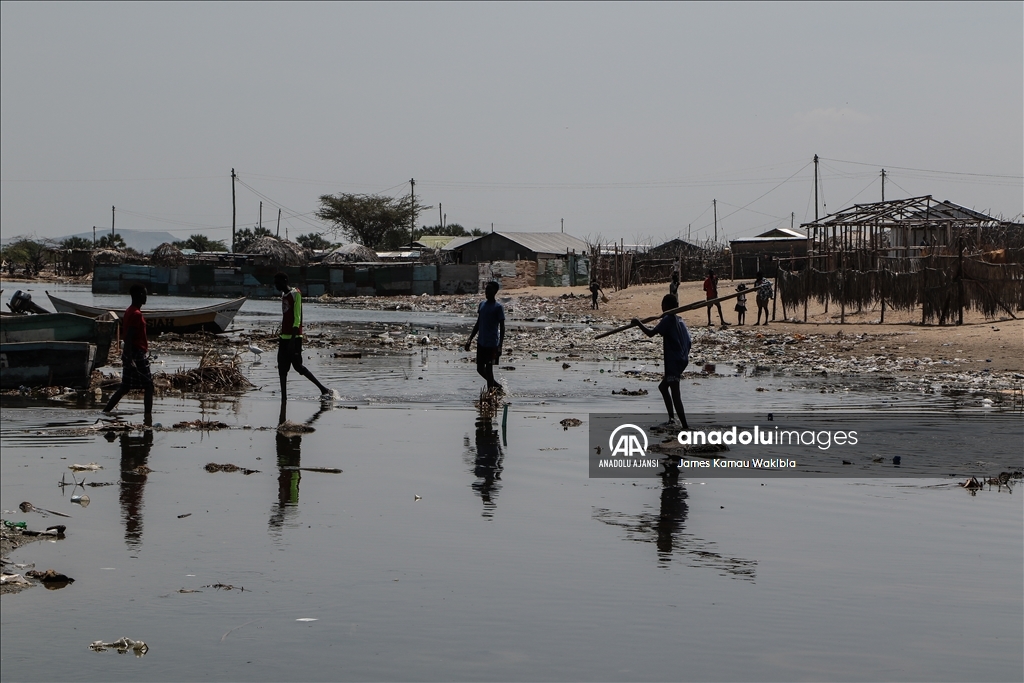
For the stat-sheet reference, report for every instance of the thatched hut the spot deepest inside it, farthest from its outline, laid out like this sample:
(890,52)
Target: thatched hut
(279,252)
(351,253)
(108,256)
(167,255)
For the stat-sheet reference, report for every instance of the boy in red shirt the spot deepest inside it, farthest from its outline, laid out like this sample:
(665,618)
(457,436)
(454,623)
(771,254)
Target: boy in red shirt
(135,373)
(711,290)
(289,350)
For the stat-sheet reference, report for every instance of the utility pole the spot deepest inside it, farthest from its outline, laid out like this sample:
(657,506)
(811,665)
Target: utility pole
(279,224)
(412,211)
(792,220)
(440,214)
(815,187)
(261,216)
(714,203)
(233,211)
(688,226)
(94,237)
(883,184)
(112,216)
(492,227)
(563,225)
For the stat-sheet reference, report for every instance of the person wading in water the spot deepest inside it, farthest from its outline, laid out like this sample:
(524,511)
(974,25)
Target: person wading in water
(289,350)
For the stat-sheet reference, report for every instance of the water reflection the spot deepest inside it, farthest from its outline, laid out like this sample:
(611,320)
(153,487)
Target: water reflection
(486,458)
(135,450)
(666,529)
(289,458)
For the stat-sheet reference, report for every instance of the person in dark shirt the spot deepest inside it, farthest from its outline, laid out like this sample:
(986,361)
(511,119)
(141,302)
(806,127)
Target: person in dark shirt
(135,372)
(490,323)
(289,350)
(595,287)
(676,340)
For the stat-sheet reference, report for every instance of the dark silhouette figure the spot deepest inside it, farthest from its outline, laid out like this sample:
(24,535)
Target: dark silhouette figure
(134,472)
(487,460)
(289,459)
(666,528)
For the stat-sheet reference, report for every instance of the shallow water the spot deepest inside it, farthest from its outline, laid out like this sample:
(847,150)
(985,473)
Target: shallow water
(512,565)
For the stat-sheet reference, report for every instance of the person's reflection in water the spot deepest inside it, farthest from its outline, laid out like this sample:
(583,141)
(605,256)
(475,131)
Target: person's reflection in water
(289,459)
(667,530)
(486,458)
(134,470)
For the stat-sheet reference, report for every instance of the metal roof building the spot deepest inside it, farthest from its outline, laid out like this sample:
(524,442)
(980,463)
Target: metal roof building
(520,246)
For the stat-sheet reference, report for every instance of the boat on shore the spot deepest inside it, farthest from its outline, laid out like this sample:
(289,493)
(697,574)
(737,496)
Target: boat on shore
(46,364)
(100,331)
(215,318)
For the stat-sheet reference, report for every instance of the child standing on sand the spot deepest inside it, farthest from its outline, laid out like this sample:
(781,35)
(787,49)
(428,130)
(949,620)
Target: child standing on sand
(677,356)
(741,305)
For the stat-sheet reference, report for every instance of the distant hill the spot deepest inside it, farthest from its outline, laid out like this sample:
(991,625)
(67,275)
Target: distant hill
(135,239)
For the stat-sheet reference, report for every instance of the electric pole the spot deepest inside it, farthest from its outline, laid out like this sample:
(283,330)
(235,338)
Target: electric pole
(412,211)
(883,184)
(815,187)
(563,225)
(112,216)
(261,216)
(279,223)
(233,211)
(714,204)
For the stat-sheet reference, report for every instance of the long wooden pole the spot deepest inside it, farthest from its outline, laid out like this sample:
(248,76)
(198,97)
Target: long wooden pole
(672,311)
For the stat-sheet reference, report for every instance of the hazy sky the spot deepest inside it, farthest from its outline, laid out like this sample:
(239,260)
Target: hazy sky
(625,120)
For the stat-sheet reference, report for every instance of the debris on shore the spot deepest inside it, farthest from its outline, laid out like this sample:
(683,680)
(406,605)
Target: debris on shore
(228,467)
(123,645)
(213,374)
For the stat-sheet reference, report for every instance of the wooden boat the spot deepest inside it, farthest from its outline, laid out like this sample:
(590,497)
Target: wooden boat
(60,327)
(214,318)
(46,364)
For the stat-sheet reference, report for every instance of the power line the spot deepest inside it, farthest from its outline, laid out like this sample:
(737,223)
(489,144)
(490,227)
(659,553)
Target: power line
(925,170)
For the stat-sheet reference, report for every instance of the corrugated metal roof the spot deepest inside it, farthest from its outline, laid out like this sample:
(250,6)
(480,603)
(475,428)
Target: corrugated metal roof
(547,242)
(783,232)
(459,241)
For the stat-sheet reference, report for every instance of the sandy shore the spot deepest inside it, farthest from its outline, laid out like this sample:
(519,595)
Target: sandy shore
(993,344)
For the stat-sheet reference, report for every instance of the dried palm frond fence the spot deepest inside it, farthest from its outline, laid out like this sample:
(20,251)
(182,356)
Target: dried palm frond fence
(907,253)
(943,286)
(620,265)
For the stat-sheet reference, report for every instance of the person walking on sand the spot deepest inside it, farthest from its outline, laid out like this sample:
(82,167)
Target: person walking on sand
(741,304)
(764,294)
(673,286)
(595,287)
(711,290)
(676,342)
(289,349)
(135,373)
(490,323)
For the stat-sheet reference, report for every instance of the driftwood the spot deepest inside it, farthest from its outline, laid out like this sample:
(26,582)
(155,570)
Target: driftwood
(679,309)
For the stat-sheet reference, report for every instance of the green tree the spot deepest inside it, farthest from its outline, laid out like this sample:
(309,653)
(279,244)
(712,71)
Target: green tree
(27,253)
(245,237)
(314,241)
(451,229)
(201,243)
(114,241)
(76,243)
(372,220)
